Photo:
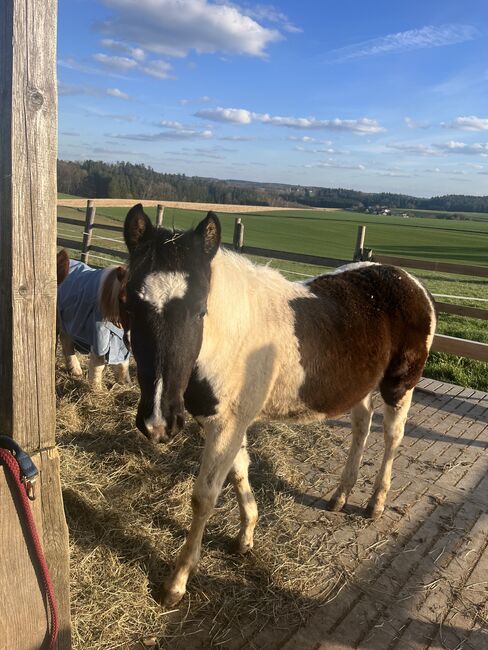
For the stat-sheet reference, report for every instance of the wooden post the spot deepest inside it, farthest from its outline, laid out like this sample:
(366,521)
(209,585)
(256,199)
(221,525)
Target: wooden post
(238,240)
(359,250)
(159,215)
(28,133)
(87,233)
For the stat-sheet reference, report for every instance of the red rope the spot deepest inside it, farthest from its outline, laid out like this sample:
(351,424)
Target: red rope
(7,459)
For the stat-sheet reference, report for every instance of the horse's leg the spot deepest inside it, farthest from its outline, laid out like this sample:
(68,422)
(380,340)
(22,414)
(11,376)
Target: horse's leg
(394,419)
(361,416)
(96,364)
(221,447)
(245,498)
(71,360)
(122,372)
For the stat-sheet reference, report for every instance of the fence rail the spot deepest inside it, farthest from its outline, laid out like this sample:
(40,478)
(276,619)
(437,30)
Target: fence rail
(442,343)
(425,265)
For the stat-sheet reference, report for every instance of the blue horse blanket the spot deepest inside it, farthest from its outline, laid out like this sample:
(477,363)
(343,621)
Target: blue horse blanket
(80,317)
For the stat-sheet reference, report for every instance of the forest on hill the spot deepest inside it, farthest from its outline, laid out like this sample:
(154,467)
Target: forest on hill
(123,180)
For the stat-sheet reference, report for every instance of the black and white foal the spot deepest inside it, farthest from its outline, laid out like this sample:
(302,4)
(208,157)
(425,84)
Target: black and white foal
(233,342)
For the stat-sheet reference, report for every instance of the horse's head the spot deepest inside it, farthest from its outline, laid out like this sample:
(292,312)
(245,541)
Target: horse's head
(62,263)
(167,291)
(113,297)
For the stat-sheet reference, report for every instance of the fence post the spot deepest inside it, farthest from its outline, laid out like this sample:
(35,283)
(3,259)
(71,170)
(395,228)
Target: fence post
(159,215)
(87,233)
(28,133)
(359,250)
(238,240)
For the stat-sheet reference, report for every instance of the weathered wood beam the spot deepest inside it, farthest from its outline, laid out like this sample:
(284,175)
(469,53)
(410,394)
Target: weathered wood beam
(28,152)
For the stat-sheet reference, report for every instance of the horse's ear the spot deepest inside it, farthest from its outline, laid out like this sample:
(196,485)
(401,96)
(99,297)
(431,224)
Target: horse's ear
(208,233)
(137,227)
(62,270)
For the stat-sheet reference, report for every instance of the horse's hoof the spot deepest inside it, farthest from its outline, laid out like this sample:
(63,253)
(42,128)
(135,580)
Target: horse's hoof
(240,547)
(76,372)
(171,598)
(374,510)
(336,503)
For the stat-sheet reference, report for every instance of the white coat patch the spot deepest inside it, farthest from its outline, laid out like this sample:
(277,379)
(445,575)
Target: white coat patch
(159,288)
(156,420)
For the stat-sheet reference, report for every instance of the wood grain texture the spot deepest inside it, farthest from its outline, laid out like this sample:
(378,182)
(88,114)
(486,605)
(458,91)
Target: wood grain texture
(28,133)
(462,310)
(24,617)
(88,231)
(446,267)
(28,112)
(460,347)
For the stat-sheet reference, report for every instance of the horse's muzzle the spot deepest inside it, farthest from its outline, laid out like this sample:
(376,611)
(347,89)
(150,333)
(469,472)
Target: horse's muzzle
(163,429)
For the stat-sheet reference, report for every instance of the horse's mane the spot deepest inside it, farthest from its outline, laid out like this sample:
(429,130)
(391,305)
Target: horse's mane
(111,290)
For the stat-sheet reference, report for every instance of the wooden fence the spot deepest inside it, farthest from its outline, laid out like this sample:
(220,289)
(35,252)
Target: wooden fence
(442,343)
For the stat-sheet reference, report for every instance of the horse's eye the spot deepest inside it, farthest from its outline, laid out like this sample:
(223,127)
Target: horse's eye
(202,313)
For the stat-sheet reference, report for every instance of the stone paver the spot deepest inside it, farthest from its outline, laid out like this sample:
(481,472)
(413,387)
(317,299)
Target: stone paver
(424,585)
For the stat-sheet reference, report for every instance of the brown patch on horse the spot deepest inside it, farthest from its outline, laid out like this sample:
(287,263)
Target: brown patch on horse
(369,327)
(62,264)
(113,291)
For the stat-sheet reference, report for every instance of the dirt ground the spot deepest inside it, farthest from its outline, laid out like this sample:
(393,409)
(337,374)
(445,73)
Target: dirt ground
(123,203)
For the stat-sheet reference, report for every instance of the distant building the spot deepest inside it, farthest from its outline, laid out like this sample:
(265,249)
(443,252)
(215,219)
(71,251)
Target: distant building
(378,209)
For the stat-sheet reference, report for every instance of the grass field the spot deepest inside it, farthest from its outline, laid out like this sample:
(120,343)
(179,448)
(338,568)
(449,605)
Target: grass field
(444,213)
(333,234)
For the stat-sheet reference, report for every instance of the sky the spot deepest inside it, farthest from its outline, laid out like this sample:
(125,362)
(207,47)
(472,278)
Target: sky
(371,95)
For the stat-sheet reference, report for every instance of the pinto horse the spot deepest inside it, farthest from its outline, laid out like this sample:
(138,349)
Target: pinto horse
(233,342)
(84,294)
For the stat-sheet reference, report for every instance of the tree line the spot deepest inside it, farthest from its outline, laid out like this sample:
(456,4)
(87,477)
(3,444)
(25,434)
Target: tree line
(123,180)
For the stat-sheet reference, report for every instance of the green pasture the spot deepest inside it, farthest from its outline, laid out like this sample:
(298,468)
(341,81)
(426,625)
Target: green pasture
(333,234)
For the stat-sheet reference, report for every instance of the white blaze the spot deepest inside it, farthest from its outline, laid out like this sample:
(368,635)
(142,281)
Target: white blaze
(156,420)
(159,288)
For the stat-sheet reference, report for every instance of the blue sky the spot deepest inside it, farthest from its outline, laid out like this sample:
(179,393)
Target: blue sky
(363,94)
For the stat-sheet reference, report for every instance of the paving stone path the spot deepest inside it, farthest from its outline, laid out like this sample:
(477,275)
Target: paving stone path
(426,584)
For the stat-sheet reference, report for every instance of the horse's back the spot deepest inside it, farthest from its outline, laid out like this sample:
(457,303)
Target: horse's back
(370,325)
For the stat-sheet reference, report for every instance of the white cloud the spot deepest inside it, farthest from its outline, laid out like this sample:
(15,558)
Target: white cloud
(120,117)
(70,90)
(234,115)
(422,149)
(243,116)
(173,28)
(477,148)
(171,134)
(120,63)
(333,165)
(468,123)
(273,15)
(412,39)
(158,69)
(444,148)
(412,124)
(237,138)
(171,124)
(307,139)
(122,48)
(116,92)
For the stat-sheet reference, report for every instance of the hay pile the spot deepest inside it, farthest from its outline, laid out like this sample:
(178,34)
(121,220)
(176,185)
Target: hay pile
(128,508)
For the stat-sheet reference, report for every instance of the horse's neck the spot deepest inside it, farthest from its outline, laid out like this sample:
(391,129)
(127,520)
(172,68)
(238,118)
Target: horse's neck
(244,296)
